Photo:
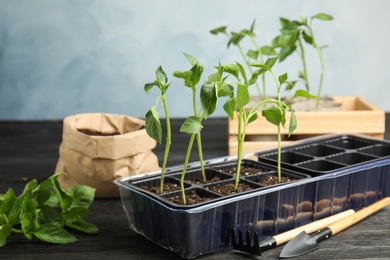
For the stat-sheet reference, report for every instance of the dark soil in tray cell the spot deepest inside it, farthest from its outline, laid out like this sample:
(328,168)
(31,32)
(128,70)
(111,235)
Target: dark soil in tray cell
(168,187)
(192,197)
(199,180)
(195,177)
(269,179)
(228,188)
(245,170)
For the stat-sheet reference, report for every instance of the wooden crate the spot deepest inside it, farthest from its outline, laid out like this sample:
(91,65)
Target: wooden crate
(358,115)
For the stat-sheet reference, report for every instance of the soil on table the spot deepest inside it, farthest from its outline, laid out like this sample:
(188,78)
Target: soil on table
(97,133)
(191,198)
(244,170)
(167,187)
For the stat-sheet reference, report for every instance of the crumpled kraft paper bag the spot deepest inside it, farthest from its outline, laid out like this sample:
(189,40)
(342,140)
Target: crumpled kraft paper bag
(97,161)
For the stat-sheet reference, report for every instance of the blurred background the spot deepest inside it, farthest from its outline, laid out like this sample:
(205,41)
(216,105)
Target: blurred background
(64,57)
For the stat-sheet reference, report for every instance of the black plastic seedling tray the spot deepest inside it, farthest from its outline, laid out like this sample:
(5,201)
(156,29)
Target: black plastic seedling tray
(327,155)
(335,173)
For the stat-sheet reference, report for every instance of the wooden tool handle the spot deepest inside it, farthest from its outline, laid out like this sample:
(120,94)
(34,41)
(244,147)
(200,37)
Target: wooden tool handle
(358,216)
(311,227)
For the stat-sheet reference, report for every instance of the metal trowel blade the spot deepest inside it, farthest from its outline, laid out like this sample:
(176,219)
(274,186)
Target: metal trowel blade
(301,244)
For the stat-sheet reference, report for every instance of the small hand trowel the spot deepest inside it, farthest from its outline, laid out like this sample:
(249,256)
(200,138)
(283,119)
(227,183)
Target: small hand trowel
(303,243)
(256,246)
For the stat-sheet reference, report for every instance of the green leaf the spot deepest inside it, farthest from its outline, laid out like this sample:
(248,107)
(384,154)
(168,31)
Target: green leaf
(191,59)
(251,117)
(303,93)
(85,227)
(323,16)
(232,69)
(293,124)
(8,201)
(255,75)
(5,231)
(30,186)
(235,38)
(43,191)
(186,75)
(153,125)
(282,109)
(243,96)
(308,38)
(82,195)
(242,71)
(149,86)
(208,98)
(229,107)
(226,91)
(161,76)
(214,77)
(15,213)
(192,76)
(218,30)
(74,214)
(271,61)
(272,114)
(192,125)
(283,78)
(247,32)
(197,71)
(283,21)
(252,29)
(286,51)
(65,199)
(290,85)
(48,214)
(281,40)
(290,27)
(252,54)
(268,50)
(53,234)
(27,224)
(28,205)
(53,200)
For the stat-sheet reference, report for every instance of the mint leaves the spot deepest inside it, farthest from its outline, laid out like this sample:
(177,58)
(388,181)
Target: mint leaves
(46,211)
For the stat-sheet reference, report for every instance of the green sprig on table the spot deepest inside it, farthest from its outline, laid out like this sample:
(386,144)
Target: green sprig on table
(46,211)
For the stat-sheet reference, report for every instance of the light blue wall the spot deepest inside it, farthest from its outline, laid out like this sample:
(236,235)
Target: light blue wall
(59,58)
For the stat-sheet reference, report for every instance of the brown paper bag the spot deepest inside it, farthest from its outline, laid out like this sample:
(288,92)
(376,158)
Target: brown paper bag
(98,148)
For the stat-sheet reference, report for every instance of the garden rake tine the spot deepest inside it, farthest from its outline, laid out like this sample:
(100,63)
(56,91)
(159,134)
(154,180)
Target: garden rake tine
(246,246)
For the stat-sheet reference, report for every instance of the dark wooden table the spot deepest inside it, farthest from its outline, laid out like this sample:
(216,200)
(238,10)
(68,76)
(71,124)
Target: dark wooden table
(29,150)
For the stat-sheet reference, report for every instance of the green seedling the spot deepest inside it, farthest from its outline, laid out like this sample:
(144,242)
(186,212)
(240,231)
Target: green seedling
(45,210)
(294,35)
(275,114)
(152,120)
(193,124)
(258,54)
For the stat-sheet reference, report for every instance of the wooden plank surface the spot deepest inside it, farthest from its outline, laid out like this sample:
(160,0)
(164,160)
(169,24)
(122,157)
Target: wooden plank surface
(30,150)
